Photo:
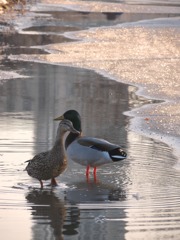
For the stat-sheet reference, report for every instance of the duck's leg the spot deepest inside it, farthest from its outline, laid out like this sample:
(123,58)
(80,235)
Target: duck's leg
(94,172)
(87,171)
(53,182)
(41,184)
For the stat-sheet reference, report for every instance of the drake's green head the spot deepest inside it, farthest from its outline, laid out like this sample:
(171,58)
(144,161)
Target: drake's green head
(74,117)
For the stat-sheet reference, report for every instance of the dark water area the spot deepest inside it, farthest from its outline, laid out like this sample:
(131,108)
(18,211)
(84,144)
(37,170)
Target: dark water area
(138,198)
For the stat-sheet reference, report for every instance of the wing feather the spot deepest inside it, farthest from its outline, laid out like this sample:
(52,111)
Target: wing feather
(97,143)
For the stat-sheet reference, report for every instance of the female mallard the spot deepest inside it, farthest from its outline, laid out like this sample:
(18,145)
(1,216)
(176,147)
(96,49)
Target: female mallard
(89,151)
(48,165)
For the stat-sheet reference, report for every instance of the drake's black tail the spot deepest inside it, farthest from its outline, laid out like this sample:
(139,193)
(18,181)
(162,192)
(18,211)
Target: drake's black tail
(117,154)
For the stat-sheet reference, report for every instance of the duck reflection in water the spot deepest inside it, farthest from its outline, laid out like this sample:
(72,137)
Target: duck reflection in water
(49,216)
(94,192)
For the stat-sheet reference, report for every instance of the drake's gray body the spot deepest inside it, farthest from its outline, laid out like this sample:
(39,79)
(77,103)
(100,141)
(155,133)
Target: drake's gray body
(93,152)
(50,164)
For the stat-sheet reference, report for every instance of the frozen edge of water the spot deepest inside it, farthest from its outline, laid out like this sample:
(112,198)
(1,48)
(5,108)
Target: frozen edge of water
(136,121)
(92,6)
(5,75)
(171,140)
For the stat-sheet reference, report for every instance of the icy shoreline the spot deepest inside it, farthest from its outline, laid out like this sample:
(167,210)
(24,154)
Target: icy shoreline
(144,54)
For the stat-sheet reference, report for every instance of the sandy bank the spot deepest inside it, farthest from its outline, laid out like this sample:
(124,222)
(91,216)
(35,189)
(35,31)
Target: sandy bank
(7,5)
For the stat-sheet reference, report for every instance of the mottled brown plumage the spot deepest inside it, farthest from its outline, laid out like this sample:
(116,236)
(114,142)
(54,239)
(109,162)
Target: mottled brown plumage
(50,164)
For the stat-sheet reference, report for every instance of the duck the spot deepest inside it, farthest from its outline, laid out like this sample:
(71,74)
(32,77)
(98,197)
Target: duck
(50,164)
(89,151)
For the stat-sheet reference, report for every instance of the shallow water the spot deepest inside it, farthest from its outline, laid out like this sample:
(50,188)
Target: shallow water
(139,195)
(138,198)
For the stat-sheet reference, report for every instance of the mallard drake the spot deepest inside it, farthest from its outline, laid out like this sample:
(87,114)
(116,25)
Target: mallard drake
(50,164)
(89,151)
